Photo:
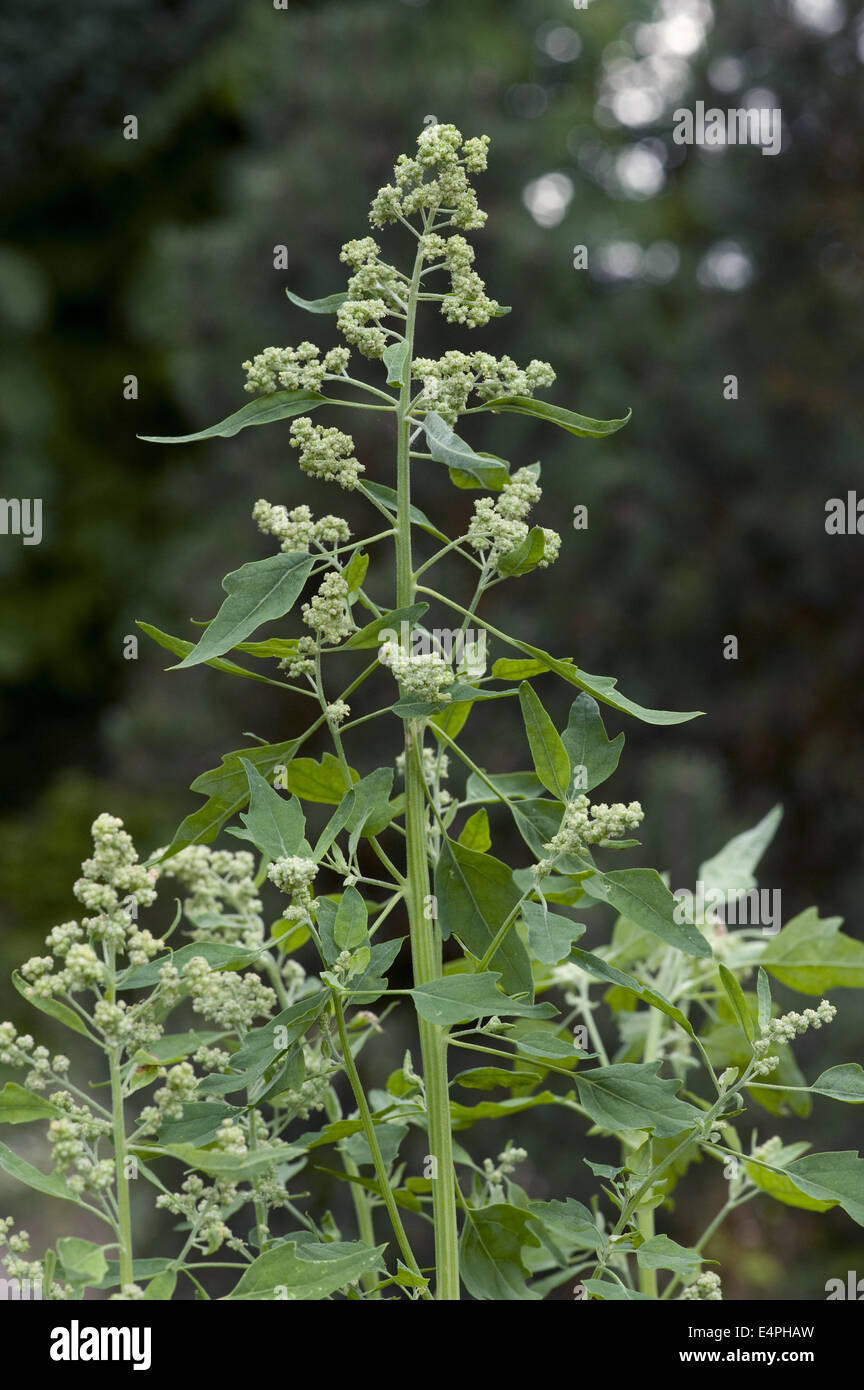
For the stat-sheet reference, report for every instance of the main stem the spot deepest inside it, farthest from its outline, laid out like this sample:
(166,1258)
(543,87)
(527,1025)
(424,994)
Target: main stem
(425,932)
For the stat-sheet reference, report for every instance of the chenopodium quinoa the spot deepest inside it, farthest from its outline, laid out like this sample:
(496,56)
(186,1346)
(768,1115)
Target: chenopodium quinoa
(663,1039)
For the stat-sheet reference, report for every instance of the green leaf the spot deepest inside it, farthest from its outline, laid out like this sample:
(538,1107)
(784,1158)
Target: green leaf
(659,1252)
(259,592)
(602,688)
(844,1082)
(276,825)
(630,1095)
(837,1178)
(810,954)
(18,1106)
(464,1116)
(461,998)
(355,572)
(586,744)
(763,994)
(551,762)
(227,790)
(275,648)
(307,1271)
(230,1167)
(50,1184)
(492,1263)
(467,469)
(199,1123)
(550,936)
(81,1260)
(642,896)
(179,647)
(490,1078)
(46,1005)
(545,1047)
(601,970)
(510,784)
(279,405)
(526,556)
(735,995)
(731,870)
(260,1049)
(569,1222)
(475,832)
(566,419)
(314,781)
(370,635)
(508,669)
(350,927)
(395,358)
(389,1137)
(328,305)
(218,954)
(387,496)
(371,810)
(475,894)
(162,1287)
(608,1292)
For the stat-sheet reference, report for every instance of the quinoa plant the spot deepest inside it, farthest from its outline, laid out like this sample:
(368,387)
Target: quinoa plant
(233,1051)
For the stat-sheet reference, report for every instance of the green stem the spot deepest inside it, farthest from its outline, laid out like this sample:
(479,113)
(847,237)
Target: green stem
(361,1198)
(118,1124)
(425,933)
(124,1206)
(371,1138)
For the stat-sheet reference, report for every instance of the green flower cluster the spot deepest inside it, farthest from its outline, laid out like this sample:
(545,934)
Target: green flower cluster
(497,527)
(293,369)
(326,453)
(448,381)
(297,529)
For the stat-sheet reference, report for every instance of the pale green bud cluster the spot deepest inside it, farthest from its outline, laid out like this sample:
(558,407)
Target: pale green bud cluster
(338,711)
(14,1249)
(467,302)
(779,1031)
(448,381)
(297,530)
(203,1207)
(359,320)
(326,453)
(705,1289)
(426,675)
(443,154)
(497,528)
(505,1164)
(328,611)
(294,874)
(222,893)
(584,824)
(293,369)
(303,663)
(74,1137)
(373,279)
(228,998)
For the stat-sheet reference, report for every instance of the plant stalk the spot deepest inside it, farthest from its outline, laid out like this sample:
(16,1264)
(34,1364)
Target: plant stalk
(424,929)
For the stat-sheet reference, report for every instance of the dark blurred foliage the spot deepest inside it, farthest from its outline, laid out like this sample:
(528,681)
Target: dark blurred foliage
(154,257)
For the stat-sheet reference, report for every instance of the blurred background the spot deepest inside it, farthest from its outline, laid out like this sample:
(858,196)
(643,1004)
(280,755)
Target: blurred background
(153,257)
